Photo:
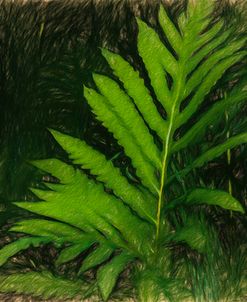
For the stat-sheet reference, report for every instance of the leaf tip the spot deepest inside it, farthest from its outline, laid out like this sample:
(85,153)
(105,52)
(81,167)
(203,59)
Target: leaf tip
(140,23)
(87,91)
(54,133)
(241,210)
(162,11)
(34,163)
(96,76)
(105,53)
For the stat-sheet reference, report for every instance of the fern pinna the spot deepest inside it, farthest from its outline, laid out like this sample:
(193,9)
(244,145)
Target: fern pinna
(104,212)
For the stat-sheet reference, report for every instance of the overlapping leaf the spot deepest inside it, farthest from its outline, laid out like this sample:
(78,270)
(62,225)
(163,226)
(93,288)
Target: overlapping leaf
(214,197)
(88,158)
(44,285)
(82,203)
(108,274)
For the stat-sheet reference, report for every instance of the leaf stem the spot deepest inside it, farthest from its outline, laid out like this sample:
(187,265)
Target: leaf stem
(173,114)
(228,155)
(163,179)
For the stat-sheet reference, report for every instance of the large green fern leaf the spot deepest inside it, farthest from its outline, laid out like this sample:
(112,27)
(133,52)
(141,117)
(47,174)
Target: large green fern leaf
(120,220)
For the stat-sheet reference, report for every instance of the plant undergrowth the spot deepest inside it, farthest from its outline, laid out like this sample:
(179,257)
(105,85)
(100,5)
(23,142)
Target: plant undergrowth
(155,220)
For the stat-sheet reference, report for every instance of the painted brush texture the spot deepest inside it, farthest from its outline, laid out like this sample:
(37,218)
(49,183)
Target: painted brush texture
(127,205)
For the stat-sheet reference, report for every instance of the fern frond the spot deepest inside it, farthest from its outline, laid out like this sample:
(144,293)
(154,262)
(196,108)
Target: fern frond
(175,78)
(202,72)
(211,117)
(207,196)
(210,40)
(89,207)
(57,232)
(89,158)
(216,151)
(170,30)
(158,60)
(108,274)
(210,80)
(72,251)
(211,154)
(214,197)
(44,285)
(122,105)
(47,228)
(98,256)
(13,248)
(144,168)
(57,168)
(136,89)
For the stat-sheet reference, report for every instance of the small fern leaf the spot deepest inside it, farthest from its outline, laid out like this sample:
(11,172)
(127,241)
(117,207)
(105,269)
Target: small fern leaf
(47,228)
(220,149)
(209,197)
(21,244)
(193,234)
(198,17)
(55,167)
(214,197)
(201,72)
(210,41)
(43,284)
(211,117)
(158,61)
(212,153)
(98,256)
(170,30)
(71,252)
(108,274)
(213,69)
(211,79)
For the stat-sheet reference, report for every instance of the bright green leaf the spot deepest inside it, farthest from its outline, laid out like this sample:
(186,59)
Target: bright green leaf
(99,255)
(108,274)
(13,248)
